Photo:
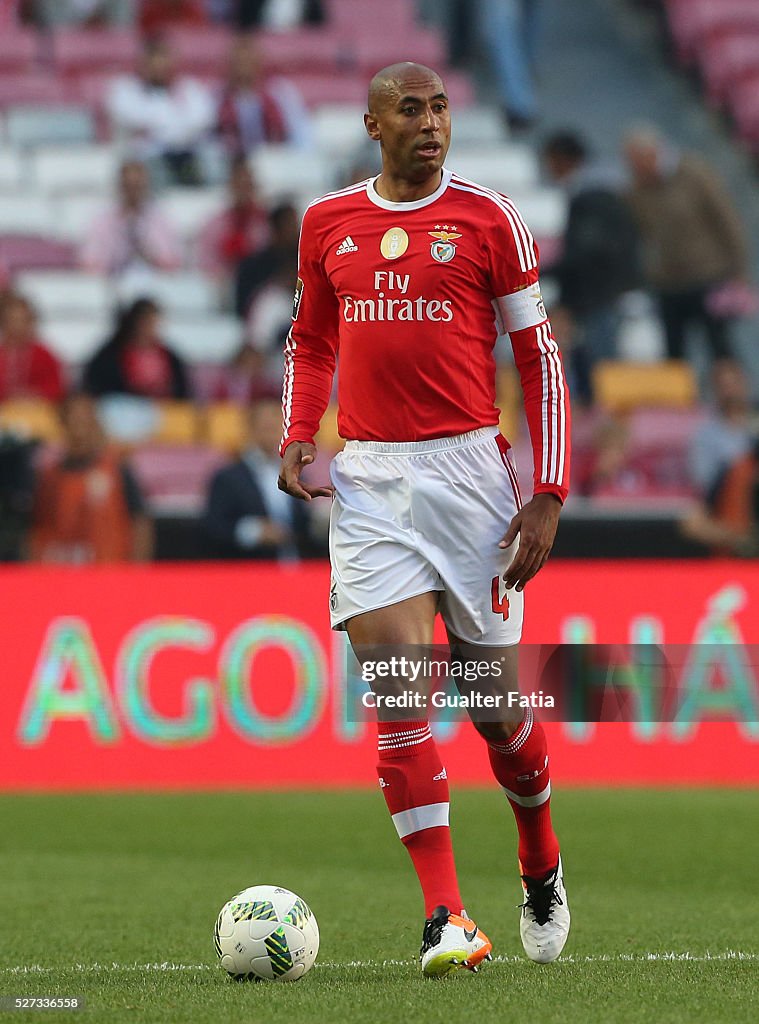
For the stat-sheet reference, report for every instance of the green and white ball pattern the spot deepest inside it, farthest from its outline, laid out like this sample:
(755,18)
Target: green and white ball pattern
(266,933)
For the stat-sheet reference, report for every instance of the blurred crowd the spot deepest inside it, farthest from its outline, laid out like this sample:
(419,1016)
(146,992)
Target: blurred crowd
(659,228)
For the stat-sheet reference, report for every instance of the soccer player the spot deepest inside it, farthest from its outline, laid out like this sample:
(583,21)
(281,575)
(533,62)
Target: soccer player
(407,276)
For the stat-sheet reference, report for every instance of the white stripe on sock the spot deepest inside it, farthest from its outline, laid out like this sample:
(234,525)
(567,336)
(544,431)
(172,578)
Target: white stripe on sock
(416,819)
(529,801)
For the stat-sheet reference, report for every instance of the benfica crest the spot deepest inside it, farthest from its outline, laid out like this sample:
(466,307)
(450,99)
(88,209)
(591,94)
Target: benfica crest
(443,248)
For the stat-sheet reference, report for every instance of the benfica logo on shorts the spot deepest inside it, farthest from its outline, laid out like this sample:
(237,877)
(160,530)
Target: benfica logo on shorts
(443,249)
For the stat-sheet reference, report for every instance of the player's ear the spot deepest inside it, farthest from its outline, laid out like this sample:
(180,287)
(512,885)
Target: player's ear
(372,127)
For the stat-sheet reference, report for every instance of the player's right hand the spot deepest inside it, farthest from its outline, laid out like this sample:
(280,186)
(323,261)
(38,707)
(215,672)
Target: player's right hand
(297,456)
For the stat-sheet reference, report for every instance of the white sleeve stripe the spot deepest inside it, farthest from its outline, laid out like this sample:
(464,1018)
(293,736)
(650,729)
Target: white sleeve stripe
(554,428)
(287,385)
(522,237)
(544,406)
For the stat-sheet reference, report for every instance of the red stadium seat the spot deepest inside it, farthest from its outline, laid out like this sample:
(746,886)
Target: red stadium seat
(729,60)
(18,89)
(423,45)
(19,49)
(77,52)
(366,19)
(304,50)
(695,22)
(26,252)
(175,479)
(201,51)
(331,88)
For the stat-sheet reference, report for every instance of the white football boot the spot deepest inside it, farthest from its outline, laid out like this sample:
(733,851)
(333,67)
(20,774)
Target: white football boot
(450,942)
(544,925)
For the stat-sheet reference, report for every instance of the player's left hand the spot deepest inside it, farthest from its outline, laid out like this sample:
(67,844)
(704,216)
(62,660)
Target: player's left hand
(536,525)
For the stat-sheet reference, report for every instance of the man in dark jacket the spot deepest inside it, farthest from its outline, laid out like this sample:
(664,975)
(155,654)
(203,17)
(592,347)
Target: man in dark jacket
(247,516)
(599,261)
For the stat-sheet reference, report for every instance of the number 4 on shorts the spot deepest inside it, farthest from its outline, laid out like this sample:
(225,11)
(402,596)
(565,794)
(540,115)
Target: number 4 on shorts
(498,603)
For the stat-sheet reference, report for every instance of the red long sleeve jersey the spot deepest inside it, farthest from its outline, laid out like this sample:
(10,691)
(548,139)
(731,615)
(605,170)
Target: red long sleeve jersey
(412,296)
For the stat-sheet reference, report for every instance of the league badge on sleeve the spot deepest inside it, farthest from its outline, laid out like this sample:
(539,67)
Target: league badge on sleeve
(443,248)
(297,297)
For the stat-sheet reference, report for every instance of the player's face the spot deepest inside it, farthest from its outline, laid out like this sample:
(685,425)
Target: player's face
(413,126)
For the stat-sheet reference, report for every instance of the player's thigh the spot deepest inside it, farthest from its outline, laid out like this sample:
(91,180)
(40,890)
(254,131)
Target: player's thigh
(492,674)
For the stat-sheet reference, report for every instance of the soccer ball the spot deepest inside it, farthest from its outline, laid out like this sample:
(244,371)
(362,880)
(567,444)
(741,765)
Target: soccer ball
(266,933)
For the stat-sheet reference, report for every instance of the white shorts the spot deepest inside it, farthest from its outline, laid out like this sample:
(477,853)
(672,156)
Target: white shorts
(424,516)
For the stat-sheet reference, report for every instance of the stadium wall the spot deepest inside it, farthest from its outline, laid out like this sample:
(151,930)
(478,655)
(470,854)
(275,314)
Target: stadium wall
(228,676)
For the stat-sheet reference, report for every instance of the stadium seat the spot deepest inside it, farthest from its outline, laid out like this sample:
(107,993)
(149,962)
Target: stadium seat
(31,88)
(622,386)
(182,294)
(695,21)
(360,20)
(510,169)
(66,124)
(75,340)
(339,129)
(281,171)
(174,479)
(67,294)
(201,51)
(480,124)
(74,215)
(31,417)
(19,49)
(178,423)
(24,214)
(303,49)
(327,87)
(213,339)
(423,45)
(544,211)
(189,210)
(89,168)
(224,427)
(729,61)
(25,252)
(76,51)
(11,170)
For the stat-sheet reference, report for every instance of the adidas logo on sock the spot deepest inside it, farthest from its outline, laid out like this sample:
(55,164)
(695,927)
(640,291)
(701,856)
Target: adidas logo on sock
(440,777)
(347,245)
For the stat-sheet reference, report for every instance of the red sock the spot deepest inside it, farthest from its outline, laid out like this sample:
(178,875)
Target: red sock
(521,767)
(415,787)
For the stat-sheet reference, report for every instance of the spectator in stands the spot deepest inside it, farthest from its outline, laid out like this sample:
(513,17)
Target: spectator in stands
(247,516)
(613,471)
(88,507)
(158,15)
(132,238)
(270,318)
(135,361)
(258,268)
(723,469)
(599,258)
(164,117)
(86,13)
(239,230)
(277,14)
(693,241)
(27,368)
(509,30)
(252,111)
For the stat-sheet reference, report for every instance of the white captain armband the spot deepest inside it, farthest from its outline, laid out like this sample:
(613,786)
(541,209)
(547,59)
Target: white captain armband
(520,310)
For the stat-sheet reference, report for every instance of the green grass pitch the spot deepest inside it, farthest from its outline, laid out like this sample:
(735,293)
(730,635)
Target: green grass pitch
(115,897)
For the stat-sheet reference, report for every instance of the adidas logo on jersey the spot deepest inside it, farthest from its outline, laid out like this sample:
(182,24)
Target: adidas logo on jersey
(440,777)
(347,245)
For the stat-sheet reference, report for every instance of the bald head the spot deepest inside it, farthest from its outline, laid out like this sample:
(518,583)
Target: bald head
(394,81)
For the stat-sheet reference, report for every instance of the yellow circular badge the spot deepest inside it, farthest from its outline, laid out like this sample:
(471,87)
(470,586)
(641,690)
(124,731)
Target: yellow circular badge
(394,243)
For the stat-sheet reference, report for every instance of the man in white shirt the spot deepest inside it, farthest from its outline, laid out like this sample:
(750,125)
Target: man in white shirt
(164,117)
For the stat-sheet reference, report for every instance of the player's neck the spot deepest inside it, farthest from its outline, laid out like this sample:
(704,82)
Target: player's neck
(400,190)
